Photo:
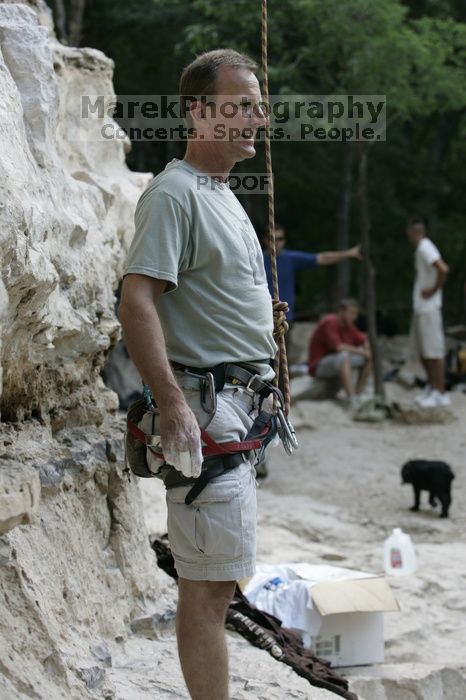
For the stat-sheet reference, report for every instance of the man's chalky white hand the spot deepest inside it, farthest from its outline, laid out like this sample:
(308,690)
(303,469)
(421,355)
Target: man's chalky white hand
(189,464)
(181,439)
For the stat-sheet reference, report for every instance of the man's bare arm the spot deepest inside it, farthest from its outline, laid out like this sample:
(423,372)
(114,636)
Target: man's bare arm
(332,257)
(146,345)
(363,350)
(144,336)
(442,274)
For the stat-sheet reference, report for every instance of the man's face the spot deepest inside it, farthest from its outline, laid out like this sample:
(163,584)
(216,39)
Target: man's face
(415,233)
(233,132)
(349,315)
(280,239)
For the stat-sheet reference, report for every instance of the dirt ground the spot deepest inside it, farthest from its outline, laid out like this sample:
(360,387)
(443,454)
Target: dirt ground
(337,498)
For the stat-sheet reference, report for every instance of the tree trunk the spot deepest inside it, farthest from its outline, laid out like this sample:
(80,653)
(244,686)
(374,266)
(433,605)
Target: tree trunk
(446,129)
(342,243)
(369,285)
(75,23)
(59,13)
(447,126)
(458,273)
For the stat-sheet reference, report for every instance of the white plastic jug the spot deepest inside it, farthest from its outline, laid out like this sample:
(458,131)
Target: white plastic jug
(399,554)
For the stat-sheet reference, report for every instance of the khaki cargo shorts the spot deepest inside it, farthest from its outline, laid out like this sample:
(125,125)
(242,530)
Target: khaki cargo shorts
(329,366)
(214,538)
(427,336)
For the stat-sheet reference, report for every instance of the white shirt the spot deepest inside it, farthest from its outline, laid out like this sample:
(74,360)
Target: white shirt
(426,276)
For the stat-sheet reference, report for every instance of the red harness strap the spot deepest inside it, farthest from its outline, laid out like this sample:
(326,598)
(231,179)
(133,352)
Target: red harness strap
(211,446)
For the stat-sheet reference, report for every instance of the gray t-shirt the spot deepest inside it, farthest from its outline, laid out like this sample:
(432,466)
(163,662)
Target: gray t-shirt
(192,231)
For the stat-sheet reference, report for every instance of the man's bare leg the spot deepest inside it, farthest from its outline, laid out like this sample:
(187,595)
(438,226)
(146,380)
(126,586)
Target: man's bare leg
(364,373)
(345,376)
(427,370)
(200,630)
(436,373)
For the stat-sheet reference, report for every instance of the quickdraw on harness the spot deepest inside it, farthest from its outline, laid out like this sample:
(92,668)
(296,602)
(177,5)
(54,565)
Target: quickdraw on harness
(218,457)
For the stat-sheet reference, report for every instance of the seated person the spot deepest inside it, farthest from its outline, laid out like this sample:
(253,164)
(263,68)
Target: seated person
(337,346)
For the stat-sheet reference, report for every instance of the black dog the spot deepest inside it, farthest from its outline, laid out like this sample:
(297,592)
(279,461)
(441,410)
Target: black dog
(427,475)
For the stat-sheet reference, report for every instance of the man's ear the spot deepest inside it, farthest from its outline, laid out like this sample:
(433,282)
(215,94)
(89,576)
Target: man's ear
(197,110)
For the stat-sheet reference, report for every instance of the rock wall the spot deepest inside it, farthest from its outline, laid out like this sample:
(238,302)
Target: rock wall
(77,572)
(76,569)
(66,208)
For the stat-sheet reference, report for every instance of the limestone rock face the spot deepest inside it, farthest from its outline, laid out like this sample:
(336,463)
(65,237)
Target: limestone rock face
(19,496)
(74,579)
(66,220)
(76,566)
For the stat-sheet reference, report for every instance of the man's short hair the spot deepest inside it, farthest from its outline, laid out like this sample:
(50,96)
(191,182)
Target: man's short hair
(200,76)
(417,220)
(347,304)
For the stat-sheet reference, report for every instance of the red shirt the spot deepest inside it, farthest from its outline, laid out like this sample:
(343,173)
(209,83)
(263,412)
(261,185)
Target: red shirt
(328,335)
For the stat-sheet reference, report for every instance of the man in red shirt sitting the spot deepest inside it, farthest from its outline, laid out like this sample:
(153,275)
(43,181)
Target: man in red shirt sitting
(337,346)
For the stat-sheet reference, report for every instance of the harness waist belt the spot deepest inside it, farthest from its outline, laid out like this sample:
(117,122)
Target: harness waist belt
(212,447)
(229,372)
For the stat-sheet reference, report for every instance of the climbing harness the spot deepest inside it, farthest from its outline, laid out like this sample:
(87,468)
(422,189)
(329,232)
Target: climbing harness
(142,434)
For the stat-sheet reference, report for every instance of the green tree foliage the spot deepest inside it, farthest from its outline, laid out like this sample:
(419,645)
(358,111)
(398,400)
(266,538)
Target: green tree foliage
(414,52)
(413,55)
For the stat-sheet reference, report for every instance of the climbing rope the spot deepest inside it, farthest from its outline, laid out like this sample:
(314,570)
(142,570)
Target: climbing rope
(281,361)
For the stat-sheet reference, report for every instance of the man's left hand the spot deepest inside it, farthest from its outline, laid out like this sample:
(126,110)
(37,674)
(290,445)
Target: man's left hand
(427,293)
(366,353)
(355,252)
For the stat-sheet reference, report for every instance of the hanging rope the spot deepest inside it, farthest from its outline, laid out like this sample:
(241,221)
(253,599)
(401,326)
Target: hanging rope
(281,361)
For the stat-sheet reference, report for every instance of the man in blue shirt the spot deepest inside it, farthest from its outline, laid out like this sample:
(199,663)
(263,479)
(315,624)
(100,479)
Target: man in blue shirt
(289,262)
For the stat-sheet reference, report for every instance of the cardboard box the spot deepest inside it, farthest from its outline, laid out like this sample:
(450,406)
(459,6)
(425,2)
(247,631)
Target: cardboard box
(342,618)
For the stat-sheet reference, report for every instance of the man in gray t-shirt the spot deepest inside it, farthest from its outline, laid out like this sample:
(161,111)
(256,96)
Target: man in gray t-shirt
(195,294)
(192,232)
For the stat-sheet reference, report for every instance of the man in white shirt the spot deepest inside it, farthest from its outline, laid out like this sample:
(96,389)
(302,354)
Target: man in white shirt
(427,327)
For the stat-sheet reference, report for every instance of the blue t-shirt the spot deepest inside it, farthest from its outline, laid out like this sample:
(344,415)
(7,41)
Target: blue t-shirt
(289,262)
